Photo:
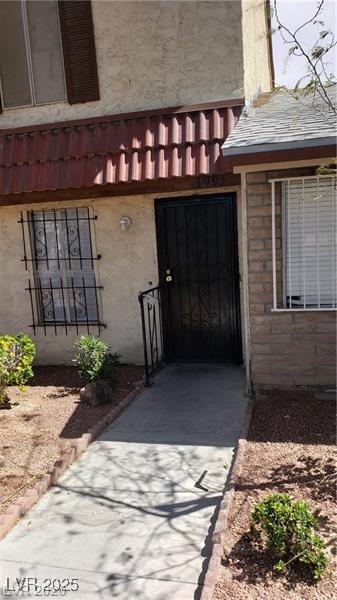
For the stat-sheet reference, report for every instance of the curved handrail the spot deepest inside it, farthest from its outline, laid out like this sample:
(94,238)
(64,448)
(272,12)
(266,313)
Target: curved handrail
(151,314)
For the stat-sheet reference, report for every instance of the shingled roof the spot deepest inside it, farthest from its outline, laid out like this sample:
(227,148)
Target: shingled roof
(278,121)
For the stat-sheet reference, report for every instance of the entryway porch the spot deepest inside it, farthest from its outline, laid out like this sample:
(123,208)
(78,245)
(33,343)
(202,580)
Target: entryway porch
(194,315)
(133,516)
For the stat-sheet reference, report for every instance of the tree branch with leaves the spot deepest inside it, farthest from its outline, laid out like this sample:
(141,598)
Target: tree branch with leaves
(317,77)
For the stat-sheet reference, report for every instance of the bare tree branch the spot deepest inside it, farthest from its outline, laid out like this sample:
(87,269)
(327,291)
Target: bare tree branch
(317,77)
(319,8)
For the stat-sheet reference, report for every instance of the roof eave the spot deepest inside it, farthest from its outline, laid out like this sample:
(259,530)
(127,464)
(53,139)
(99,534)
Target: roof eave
(157,112)
(278,146)
(325,152)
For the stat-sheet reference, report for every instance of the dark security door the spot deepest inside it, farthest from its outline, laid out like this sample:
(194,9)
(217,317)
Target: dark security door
(198,268)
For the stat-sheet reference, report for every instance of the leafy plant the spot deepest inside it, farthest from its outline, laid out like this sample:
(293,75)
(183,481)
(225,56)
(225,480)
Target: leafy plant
(288,528)
(109,368)
(10,357)
(16,359)
(94,359)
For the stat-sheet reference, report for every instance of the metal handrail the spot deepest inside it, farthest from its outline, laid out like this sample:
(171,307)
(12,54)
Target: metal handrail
(151,314)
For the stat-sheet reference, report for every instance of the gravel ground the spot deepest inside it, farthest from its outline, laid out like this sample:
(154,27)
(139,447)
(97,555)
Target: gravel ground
(291,448)
(43,421)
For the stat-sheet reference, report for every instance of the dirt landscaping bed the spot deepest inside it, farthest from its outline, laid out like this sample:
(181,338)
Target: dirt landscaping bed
(44,421)
(291,448)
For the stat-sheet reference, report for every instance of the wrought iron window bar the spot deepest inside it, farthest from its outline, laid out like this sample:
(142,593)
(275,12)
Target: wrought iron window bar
(63,291)
(38,235)
(42,302)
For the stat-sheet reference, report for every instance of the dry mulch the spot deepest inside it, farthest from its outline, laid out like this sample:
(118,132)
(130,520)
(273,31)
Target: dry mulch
(291,448)
(43,422)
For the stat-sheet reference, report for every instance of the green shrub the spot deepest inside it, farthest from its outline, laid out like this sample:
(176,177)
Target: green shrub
(288,528)
(16,359)
(94,359)
(109,368)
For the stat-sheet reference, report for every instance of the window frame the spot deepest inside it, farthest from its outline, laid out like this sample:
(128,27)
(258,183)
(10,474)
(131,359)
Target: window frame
(23,5)
(78,47)
(275,307)
(66,288)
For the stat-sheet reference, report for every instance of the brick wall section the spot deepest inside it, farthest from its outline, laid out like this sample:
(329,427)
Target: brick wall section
(287,349)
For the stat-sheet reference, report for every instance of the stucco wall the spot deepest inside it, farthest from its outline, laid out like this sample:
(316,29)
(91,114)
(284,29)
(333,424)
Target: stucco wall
(128,265)
(154,54)
(288,348)
(256,54)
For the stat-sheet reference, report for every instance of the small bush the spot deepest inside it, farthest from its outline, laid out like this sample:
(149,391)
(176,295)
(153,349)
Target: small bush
(109,368)
(288,528)
(94,359)
(16,359)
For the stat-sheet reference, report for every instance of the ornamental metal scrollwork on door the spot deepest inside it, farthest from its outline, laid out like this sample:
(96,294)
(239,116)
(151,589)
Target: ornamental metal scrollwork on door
(197,243)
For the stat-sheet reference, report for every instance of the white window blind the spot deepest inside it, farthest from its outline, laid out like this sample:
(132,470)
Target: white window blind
(309,242)
(63,261)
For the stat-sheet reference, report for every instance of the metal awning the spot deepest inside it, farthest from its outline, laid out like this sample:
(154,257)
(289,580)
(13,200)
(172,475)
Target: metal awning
(138,147)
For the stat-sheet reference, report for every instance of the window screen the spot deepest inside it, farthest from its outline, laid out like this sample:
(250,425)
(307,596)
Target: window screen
(14,72)
(31,63)
(45,49)
(309,242)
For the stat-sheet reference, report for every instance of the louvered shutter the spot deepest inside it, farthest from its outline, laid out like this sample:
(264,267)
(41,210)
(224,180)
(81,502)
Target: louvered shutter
(310,214)
(79,52)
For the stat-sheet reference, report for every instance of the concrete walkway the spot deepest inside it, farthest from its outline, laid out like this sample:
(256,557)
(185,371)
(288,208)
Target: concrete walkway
(126,521)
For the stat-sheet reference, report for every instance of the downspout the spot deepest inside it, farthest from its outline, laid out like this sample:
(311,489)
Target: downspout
(245,281)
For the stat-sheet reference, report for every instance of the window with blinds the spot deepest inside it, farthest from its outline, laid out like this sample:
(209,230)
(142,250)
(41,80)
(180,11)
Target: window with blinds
(64,290)
(309,242)
(31,69)
(47,53)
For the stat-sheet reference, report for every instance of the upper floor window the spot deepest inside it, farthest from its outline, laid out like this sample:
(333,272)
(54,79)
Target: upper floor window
(47,53)
(31,61)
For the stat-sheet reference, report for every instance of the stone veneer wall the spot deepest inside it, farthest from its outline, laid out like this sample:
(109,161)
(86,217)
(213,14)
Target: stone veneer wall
(287,348)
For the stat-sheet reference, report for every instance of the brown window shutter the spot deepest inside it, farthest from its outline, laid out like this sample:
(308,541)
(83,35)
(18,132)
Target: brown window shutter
(79,52)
